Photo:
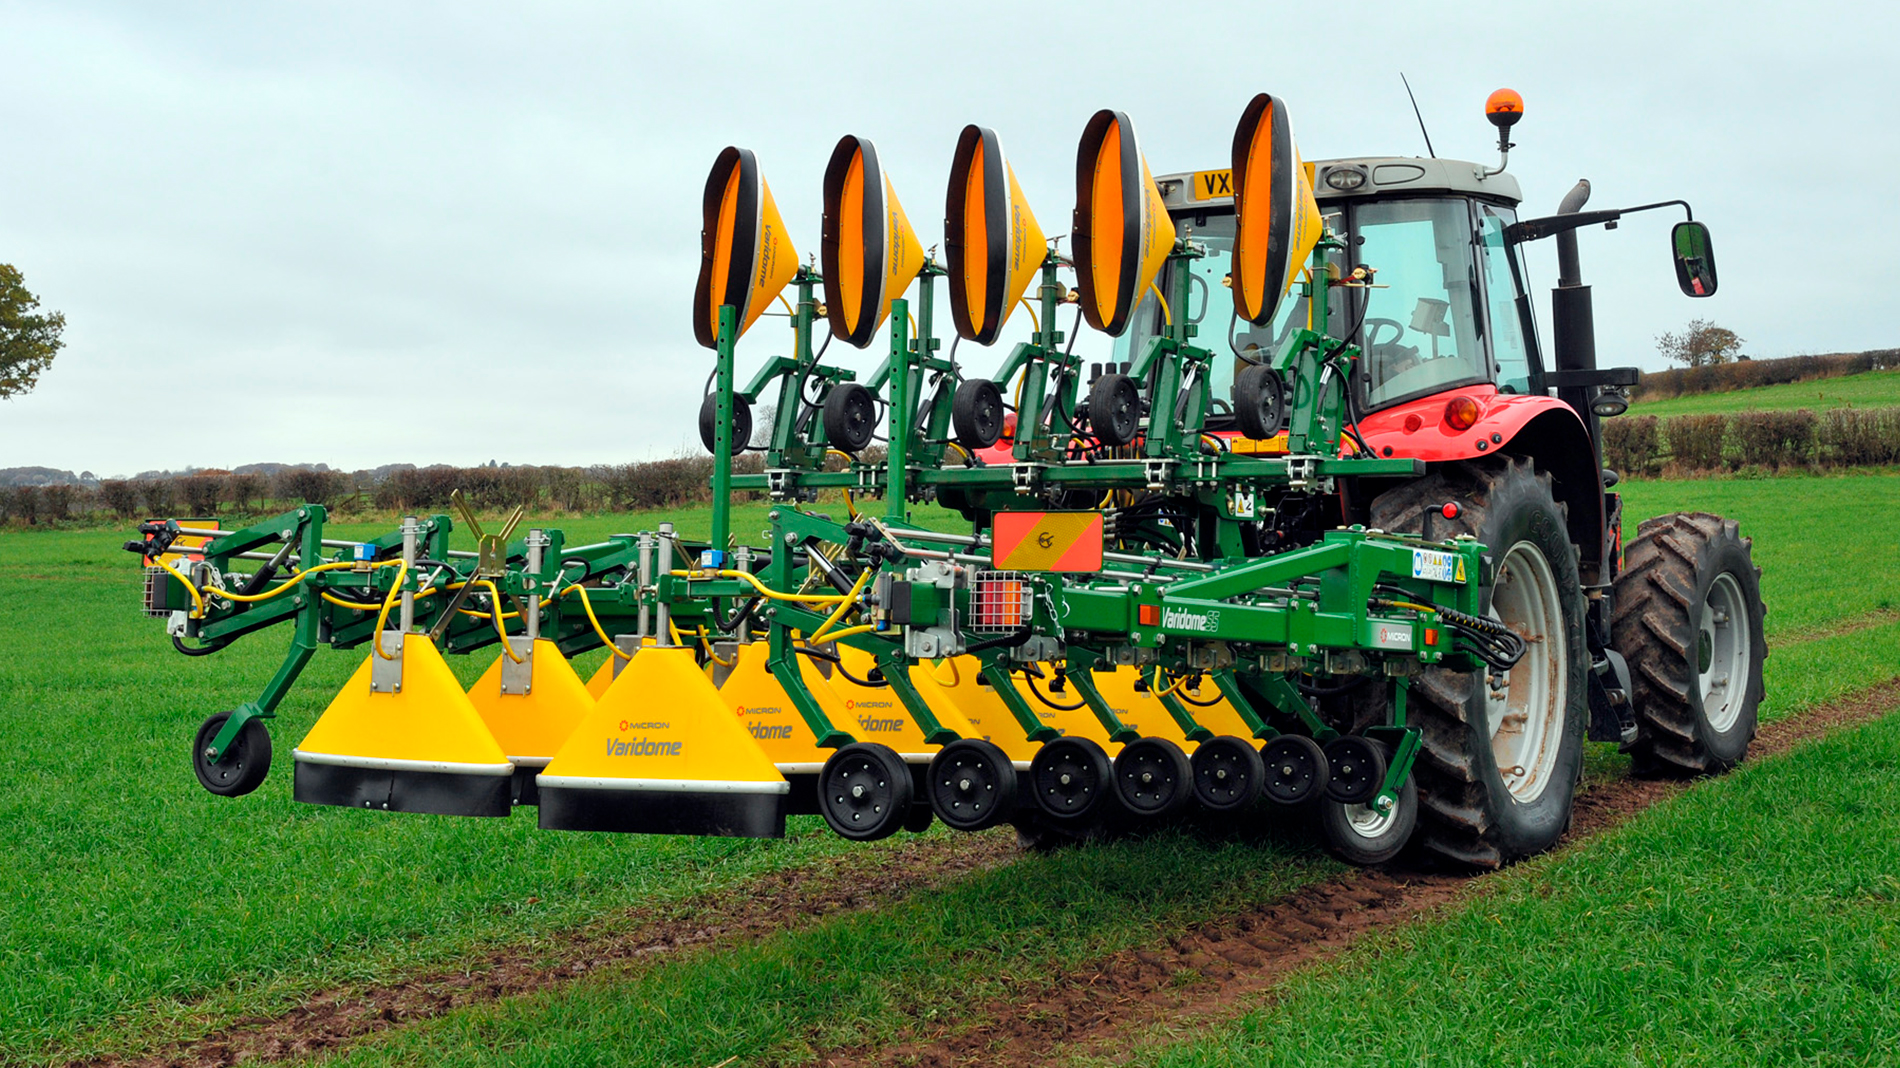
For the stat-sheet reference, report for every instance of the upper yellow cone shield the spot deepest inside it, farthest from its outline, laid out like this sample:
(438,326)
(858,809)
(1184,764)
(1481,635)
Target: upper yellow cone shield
(1276,219)
(1122,230)
(745,256)
(530,727)
(870,250)
(991,239)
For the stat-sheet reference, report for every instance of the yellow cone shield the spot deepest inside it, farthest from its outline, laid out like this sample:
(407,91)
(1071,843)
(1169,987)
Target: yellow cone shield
(871,252)
(1122,230)
(530,727)
(873,713)
(1276,219)
(745,255)
(992,243)
(757,701)
(421,747)
(952,683)
(661,754)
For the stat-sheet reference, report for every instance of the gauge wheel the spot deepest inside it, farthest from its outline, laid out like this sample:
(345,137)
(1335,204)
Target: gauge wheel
(1228,773)
(976,414)
(243,764)
(1153,777)
(1260,402)
(850,416)
(1296,769)
(1114,409)
(1357,769)
(709,422)
(972,784)
(865,791)
(1072,778)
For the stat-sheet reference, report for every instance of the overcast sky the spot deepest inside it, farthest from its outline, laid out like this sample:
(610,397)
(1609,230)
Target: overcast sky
(371,233)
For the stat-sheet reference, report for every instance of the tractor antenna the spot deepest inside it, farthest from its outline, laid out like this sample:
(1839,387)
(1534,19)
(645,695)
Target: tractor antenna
(1421,118)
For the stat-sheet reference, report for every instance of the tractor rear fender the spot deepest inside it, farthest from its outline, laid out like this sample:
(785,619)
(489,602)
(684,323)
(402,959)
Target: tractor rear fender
(1542,428)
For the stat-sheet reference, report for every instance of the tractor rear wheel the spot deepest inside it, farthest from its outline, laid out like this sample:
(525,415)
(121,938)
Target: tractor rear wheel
(1501,752)
(1689,621)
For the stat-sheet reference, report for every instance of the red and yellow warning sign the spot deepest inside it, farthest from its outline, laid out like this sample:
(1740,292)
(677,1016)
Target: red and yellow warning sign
(1047,541)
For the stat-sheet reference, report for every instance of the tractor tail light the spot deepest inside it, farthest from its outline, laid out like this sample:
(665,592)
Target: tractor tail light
(1450,510)
(1461,413)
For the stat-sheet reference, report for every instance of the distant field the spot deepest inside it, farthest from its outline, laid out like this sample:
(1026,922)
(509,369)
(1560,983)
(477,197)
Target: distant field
(1874,389)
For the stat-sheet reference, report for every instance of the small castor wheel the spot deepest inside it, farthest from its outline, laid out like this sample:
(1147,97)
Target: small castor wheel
(1153,777)
(972,785)
(1228,773)
(243,764)
(865,791)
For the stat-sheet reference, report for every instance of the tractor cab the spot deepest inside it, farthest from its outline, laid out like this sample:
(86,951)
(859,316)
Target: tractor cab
(1447,307)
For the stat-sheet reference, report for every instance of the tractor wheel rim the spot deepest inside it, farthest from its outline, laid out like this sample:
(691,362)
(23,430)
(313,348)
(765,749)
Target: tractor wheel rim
(1526,715)
(1725,648)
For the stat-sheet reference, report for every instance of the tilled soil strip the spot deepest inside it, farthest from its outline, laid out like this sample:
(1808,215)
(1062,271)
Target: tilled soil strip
(1220,968)
(758,907)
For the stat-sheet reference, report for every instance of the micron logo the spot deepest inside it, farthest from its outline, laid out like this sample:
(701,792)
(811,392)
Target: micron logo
(760,710)
(1182,619)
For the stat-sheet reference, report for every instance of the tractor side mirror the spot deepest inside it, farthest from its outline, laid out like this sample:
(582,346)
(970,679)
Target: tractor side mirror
(1695,259)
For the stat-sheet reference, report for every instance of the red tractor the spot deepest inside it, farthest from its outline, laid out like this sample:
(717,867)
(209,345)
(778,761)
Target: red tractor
(1655,643)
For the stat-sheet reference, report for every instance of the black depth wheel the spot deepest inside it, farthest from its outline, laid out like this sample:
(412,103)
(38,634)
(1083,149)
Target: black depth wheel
(1070,778)
(1296,769)
(972,784)
(864,791)
(244,764)
(709,422)
(1153,777)
(1115,409)
(1358,769)
(1259,402)
(850,416)
(1228,773)
(976,413)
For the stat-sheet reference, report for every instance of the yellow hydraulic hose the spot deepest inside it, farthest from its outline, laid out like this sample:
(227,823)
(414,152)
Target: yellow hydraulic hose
(1167,315)
(956,676)
(764,590)
(851,601)
(494,604)
(197,600)
(847,632)
(1154,685)
(599,631)
(382,617)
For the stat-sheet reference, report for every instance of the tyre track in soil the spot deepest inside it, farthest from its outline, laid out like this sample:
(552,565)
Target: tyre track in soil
(751,910)
(1218,969)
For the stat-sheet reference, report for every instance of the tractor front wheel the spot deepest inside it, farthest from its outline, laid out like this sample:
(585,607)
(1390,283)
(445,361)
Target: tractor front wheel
(1689,621)
(1502,750)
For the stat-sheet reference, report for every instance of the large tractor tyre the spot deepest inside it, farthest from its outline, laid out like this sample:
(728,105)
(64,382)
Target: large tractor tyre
(1498,768)
(1689,621)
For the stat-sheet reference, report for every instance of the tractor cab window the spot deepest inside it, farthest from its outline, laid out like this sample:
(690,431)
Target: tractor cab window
(1420,332)
(1503,281)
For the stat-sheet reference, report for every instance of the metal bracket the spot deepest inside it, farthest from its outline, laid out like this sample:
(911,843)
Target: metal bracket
(778,481)
(625,645)
(1157,472)
(1023,477)
(518,679)
(491,560)
(385,673)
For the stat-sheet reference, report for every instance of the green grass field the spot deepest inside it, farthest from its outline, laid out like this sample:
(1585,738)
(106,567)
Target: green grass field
(136,909)
(1873,389)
